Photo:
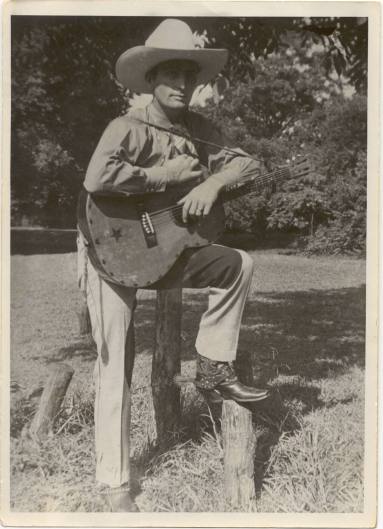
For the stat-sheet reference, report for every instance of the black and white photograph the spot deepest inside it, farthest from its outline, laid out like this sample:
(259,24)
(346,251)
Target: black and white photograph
(191,281)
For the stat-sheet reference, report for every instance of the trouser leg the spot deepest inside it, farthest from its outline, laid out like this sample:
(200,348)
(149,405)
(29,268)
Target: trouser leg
(111,311)
(220,325)
(227,273)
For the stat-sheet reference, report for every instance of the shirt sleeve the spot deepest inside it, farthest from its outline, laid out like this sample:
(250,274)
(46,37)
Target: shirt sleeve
(227,166)
(113,164)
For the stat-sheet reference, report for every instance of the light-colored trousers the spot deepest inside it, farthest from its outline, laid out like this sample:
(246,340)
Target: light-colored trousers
(111,309)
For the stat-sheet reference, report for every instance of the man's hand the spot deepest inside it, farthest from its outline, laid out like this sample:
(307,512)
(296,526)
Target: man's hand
(200,199)
(182,169)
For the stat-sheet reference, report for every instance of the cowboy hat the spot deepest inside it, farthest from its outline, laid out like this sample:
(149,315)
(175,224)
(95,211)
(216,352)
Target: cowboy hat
(171,40)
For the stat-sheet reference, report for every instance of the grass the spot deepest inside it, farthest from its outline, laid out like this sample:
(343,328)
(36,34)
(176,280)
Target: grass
(303,329)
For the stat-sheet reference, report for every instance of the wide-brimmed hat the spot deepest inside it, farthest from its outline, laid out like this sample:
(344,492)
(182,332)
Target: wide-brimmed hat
(171,40)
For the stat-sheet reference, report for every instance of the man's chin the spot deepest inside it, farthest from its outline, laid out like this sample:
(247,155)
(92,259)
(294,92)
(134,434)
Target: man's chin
(178,104)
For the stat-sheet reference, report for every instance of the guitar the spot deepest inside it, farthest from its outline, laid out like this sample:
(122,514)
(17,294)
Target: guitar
(135,240)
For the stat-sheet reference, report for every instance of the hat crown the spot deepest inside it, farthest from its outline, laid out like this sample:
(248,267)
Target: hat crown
(171,34)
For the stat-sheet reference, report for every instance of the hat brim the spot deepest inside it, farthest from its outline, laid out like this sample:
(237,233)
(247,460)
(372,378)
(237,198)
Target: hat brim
(133,65)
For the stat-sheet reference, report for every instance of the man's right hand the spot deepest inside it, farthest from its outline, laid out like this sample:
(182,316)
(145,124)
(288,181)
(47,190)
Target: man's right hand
(182,169)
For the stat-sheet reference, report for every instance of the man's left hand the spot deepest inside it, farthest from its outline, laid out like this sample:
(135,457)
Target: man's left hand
(200,199)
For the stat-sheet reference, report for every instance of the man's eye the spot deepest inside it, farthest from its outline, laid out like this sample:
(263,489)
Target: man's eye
(172,73)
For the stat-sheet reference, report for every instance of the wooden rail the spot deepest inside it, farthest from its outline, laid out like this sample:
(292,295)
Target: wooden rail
(51,400)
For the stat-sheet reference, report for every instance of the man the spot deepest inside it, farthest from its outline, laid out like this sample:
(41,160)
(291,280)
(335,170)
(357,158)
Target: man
(146,151)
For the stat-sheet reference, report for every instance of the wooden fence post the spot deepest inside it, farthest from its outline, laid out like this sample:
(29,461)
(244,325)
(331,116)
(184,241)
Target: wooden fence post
(167,363)
(51,400)
(239,450)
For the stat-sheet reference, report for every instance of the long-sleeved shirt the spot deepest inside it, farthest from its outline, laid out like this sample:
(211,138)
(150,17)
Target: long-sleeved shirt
(131,154)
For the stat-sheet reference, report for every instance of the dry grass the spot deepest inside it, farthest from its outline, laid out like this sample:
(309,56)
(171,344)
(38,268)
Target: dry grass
(304,326)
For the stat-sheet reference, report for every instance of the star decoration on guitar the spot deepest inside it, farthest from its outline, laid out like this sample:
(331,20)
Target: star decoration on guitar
(116,233)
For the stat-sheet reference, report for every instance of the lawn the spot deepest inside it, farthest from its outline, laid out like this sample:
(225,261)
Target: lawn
(303,329)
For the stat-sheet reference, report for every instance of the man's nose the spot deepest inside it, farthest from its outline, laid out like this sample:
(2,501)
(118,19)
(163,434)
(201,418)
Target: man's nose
(181,81)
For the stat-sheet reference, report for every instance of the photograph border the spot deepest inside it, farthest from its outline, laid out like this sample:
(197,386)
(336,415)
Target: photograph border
(216,9)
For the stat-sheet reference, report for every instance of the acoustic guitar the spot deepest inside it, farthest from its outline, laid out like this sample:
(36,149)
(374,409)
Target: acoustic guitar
(135,240)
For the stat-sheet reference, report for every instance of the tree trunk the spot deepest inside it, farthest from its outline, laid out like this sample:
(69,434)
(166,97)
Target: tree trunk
(51,400)
(239,451)
(166,364)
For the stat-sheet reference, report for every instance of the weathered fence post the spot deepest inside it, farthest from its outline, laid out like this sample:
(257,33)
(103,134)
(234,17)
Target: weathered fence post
(239,449)
(239,441)
(167,363)
(51,400)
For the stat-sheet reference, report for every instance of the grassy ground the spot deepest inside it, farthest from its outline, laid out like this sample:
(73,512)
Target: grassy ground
(304,330)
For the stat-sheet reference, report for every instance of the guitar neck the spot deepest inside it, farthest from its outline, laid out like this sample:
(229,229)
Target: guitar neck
(255,184)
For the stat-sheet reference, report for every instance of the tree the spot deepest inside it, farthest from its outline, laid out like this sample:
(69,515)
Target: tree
(63,95)
(248,38)
(288,110)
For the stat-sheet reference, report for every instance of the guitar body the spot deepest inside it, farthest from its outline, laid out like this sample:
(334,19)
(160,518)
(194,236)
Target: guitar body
(132,245)
(134,241)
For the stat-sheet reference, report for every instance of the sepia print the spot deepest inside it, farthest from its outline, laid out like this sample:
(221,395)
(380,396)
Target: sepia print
(190,268)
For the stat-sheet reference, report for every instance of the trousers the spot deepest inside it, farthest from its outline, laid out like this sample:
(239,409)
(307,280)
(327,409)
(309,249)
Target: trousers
(226,272)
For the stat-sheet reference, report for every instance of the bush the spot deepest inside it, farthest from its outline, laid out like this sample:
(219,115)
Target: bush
(346,232)
(328,209)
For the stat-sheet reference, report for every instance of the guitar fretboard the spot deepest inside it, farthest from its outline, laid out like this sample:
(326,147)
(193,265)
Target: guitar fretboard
(254,184)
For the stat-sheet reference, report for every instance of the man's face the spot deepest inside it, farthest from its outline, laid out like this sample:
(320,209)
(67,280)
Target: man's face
(174,83)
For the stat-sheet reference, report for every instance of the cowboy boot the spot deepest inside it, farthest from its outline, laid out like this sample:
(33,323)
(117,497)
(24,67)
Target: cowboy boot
(119,500)
(218,381)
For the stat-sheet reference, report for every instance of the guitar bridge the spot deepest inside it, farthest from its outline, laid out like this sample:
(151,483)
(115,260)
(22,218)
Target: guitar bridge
(148,229)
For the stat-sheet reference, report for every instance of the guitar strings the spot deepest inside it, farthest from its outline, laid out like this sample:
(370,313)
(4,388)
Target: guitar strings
(161,216)
(249,185)
(261,180)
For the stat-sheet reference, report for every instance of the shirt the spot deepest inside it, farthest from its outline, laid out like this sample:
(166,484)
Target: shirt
(131,155)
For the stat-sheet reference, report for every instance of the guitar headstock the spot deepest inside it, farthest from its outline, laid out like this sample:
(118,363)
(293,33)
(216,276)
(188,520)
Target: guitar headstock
(301,166)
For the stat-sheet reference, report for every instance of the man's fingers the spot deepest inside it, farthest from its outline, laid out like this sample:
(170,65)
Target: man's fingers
(194,163)
(185,211)
(206,209)
(194,208)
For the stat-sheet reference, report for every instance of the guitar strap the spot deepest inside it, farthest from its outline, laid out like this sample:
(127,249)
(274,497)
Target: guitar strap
(191,138)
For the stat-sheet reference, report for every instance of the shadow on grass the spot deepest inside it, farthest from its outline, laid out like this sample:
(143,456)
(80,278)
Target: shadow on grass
(309,333)
(313,333)
(298,337)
